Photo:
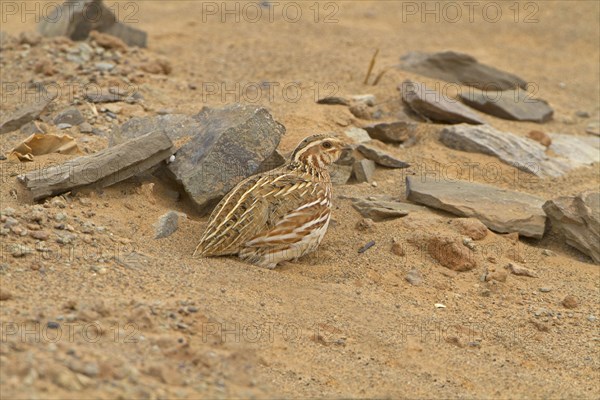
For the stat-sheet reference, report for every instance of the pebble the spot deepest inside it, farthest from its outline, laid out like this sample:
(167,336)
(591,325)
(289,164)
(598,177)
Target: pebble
(591,318)
(53,325)
(64,126)
(545,289)
(85,128)
(39,235)
(5,295)
(104,66)
(414,277)
(570,302)
(365,224)
(548,253)
(60,217)
(9,212)
(582,114)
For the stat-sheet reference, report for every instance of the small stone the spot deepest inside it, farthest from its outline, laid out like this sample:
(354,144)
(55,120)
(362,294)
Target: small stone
(591,318)
(365,224)
(570,302)
(363,170)
(64,126)
(582,114)
(398,248)
(414,277)
(33,127)
(471,227)
(498,276)
(381,157)
(357,135)
(166,225)
(113,108)
(104,66)
(548,253)
(71,116)
(53,325)
(85,128)
(540,137)
(516,269)
(593,128)
(39,235)
(21,251)
(31,38)
(5,294)
(60,217)
(545,289)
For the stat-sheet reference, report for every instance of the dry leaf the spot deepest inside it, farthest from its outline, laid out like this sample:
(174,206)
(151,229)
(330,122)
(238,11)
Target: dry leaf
(39,144)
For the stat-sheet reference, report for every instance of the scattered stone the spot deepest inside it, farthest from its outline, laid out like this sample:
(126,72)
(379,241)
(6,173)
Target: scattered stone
(471,227)
(366,247)
(365,224)
(436,106)
(398,247)
(33,127)
(358,135)
(570,302)
(381,157)
(39,235)
(104,66)
(414,277)
(108,41)
(5,294)
(339,174)
(514,105)
(166,225)
(591,318)
(501,210)
(363,170)
(176,126)
(74,20)
(394,132)
(540,137)
(579,151)
(380,210)
(548,253)
(496,275)
(460,68)
(104,95)
(334,100)
(364,111)
(85,128)
(20,250)
(31,38)
(540,325)
(157,67)
(111,107)
(582,114)
(593,128)
(230,145)
(545,289)
(25,114)
(578,219)
(70,116)
(64,126)
(522,153)
(100,169)
(451,253)
(367,99)
(517,269)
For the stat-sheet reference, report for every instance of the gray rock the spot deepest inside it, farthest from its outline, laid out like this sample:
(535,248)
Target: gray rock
(578,150)
(460,68)
(230,145)
(104,95)
(523,153)
(85,128)
(339,173)
(74,20)
(166,225)
(578,219)
(64,126)
(582,114)
(436,106)
(176,126)
(31,38)
(593,128)
(394,132)
(33,127)
(381,157)
(70,116)
(358,135)
(510,104)
(104,66)
(501,210)
(25,114)
(381,209)
(363,170)
(273,161)
(414,277)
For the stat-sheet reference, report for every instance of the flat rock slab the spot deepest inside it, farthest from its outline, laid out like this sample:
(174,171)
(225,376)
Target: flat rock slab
(459,68)
(76,19)
(231,144)
(381,209)
(25,114)
(578,219)
(166,225)
(393,132)
(100,169)
(514,105)
(501,210)
(579,150)
(363,170)
(522,153)
(436,106)
(381,157)
(176,126)
(339,173)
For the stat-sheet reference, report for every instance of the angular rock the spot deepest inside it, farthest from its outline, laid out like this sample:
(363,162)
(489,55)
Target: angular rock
(578,150)
(339,173)
(470,227)
(436,106)
(394,132)
(501,210)
(176,126)
(381,157)
(109,95)
(517,269)
(358,135)
(25,114)
(273,161)
(76,19)
(522,153)
(414,277)
(460,68)
(166,225)
(451,253)
(70,116)
(230,145)
(514,105)
(578,219)
(381,209)
(363,170)
(540,137)
(33,127)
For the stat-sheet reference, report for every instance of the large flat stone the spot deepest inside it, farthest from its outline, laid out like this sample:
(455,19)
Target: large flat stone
(578,150)
(231,144)
(25,114)
(578,219)
(460,68)
(436,106)
(514,105)
(523,153)
(501,210)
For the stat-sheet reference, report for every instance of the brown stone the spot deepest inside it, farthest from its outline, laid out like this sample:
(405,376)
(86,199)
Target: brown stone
(471,227)
(570,302)
(451,253)
(540,137)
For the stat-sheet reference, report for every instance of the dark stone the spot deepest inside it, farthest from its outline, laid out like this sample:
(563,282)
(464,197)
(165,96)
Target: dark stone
(381,157)
(70,116)
(25,114)
(510,104)
(460,68)
(230,145)
(176,126)
(393,132)
(363,170)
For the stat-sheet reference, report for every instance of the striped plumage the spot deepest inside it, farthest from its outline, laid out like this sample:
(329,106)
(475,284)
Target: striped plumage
(278,215)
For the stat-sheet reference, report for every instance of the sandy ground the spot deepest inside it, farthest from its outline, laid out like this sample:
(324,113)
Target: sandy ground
(139,318)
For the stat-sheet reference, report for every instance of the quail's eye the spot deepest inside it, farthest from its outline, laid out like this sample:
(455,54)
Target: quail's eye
(326,145)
